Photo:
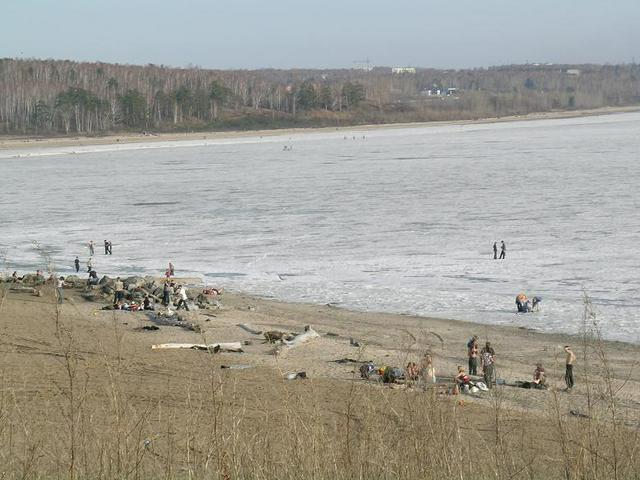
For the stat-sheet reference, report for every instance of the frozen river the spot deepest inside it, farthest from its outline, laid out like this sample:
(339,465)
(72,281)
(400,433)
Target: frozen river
(399,219)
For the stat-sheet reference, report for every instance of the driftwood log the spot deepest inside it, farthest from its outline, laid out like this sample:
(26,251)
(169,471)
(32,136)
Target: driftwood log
(215,347)
(249,329)
(22,289)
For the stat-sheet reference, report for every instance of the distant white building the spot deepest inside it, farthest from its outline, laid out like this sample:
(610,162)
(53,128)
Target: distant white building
(440,92)
(573,71)
(364,65)
(403,70)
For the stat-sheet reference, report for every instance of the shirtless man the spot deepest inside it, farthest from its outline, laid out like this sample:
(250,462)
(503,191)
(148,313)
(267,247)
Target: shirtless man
(571,359)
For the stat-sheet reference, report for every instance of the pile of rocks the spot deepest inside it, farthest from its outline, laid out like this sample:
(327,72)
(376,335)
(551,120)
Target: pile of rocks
(136,288)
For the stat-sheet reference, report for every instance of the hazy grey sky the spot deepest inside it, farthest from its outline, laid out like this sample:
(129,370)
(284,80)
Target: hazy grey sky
(322,34)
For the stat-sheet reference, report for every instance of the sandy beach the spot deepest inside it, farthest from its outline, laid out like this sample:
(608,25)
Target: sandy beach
(106,357)
(18,142)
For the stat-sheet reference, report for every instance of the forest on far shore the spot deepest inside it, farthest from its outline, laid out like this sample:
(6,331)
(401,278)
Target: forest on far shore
(57,97)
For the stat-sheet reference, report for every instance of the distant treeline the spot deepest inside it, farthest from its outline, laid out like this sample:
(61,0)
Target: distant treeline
(44,97)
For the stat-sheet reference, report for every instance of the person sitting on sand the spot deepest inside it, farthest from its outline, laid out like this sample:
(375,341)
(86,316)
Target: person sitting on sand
(412,371)
(147,305)
(539,377)
(93,278)
(211,291)
(462,379)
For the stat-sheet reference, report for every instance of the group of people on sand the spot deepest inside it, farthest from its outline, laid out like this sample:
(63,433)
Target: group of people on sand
(147,304)
(171,289)
(485,360)
(480,375)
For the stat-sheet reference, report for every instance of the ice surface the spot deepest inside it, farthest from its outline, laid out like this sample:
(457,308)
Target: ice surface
(402,220)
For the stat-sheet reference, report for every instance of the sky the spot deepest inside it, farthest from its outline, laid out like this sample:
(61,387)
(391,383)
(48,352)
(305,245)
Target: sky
(250,34)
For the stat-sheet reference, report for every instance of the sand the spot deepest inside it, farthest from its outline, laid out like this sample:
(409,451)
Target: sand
(81,388)
(17,142)
(28,332)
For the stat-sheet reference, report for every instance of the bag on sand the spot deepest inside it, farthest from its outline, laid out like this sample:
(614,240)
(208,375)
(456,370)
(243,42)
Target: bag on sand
(392,375)
(366,369)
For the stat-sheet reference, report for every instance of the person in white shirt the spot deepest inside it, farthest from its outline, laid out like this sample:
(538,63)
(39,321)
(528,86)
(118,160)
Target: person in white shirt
(182,295)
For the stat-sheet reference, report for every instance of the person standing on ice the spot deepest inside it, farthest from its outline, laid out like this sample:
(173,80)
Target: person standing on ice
(91,252)
(106,247)
(495,250)
(76,262)
(503,249)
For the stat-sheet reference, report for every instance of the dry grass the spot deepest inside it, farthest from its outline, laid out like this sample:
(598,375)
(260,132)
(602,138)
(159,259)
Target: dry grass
(89,406)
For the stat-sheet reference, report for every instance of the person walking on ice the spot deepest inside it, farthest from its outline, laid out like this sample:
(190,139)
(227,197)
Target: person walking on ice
(503,250)
(495,250)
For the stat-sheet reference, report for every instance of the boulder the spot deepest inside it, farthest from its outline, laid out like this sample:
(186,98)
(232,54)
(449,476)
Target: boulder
(106,281)
(193,294)
(138,297)
(89,297)
(131,283)
(33,279)
(74,281)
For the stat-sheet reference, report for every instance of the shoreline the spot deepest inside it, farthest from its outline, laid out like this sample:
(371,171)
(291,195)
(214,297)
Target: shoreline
(384,338)
(8,142)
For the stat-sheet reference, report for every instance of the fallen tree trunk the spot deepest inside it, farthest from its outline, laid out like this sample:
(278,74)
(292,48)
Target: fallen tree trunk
(22,289)
(249,329)
(215,347)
